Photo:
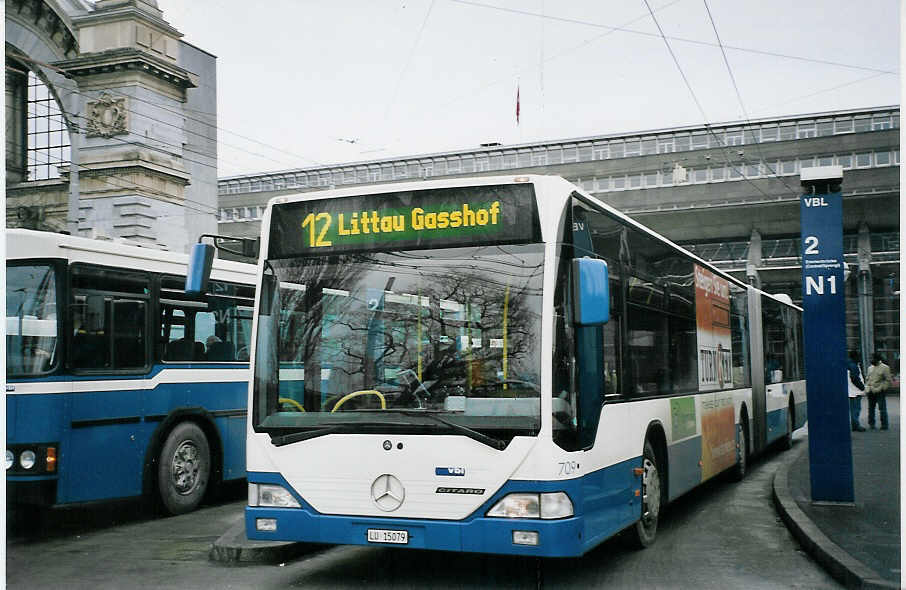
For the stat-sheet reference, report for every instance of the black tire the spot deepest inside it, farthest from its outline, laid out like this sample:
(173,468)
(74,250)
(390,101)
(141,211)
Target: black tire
(184,469)
(786,443)
(643,533)
(738,472)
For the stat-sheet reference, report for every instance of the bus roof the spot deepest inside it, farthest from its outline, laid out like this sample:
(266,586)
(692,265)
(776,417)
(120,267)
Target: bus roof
(25,244)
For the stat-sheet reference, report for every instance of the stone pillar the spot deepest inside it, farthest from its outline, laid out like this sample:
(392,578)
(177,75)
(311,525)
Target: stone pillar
(754,260)
(865,294)
(132,174)
(16,104)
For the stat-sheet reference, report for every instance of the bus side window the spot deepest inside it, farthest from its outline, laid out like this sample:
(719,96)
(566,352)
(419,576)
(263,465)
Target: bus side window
(774,344)
(226,328)
(215,328)
(109,318)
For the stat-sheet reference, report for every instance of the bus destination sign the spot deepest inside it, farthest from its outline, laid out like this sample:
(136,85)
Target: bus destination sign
(434,218)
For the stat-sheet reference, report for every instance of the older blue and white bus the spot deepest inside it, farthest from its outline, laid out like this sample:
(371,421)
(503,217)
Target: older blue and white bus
(118,384)
(498,365)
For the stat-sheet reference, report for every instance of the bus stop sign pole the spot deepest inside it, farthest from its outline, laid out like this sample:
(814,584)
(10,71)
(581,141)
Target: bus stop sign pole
(829,440)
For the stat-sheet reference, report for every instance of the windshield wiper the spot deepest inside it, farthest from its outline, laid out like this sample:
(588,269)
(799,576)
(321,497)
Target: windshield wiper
(473,434)
(288,439)
(357,427)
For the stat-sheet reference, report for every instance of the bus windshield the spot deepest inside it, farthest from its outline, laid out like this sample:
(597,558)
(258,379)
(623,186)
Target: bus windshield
(428,341)
(31,319)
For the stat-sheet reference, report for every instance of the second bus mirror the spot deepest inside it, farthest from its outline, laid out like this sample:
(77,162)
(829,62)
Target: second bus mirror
(591,292)
(200,262)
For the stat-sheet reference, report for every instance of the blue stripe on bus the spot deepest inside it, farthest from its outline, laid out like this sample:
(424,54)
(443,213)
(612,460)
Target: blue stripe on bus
(604,502)
(103,440)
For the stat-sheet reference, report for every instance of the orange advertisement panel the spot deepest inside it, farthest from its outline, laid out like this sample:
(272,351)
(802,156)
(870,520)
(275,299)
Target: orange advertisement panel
(718,437)
(712,316)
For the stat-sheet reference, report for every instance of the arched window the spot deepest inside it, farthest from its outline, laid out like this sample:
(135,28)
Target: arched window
(47,136)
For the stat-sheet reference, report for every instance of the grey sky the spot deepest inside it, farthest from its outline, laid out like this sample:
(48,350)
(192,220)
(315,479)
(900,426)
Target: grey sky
(304,79)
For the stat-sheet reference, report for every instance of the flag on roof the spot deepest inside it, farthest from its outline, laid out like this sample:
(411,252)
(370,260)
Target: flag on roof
(517,104)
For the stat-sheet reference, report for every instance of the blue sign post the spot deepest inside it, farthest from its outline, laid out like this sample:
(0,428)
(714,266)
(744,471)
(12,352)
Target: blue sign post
(824,329)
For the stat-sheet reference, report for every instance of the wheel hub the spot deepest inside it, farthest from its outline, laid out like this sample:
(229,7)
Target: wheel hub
(651,491)
(184,472)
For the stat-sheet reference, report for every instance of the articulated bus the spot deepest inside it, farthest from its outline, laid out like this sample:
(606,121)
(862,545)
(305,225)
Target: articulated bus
(498,365)
(118,384)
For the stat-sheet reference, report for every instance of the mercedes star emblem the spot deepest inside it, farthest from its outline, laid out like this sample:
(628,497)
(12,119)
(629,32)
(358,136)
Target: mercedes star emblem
(387,492)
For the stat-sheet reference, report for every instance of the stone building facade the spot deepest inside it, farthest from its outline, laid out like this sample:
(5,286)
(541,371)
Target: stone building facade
(111,123)
(728,192)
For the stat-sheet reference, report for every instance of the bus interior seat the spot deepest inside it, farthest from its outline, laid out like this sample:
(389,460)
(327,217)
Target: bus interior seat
(221,351)
(130,352)
(184,349)
(89,350)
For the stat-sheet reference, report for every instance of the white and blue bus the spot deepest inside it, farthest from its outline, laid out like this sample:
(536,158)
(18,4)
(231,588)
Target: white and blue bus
(498,365)
(118,384)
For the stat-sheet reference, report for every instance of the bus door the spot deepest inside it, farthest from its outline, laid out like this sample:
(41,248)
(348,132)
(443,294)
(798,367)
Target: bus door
(109,339)
(759,401)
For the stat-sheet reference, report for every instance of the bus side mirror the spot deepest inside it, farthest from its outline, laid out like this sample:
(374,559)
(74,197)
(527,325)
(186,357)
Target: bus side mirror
(200,261)
(251,248)
(591,292)
(268,292)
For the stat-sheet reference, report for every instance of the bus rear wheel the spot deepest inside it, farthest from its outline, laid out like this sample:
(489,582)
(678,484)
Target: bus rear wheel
(184,469)
(787,442)
(738,472)
(645,530)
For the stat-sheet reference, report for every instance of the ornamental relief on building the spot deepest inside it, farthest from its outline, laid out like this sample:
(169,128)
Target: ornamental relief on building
(106,116)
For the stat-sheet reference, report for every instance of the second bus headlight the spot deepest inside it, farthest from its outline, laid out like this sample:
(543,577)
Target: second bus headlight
(271,496)
(549,505)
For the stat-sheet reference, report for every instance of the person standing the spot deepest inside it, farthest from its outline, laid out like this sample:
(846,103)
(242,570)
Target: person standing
(879,380)
(856,389)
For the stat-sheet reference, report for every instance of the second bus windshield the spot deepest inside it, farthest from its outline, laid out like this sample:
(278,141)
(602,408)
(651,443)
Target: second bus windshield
(448,331)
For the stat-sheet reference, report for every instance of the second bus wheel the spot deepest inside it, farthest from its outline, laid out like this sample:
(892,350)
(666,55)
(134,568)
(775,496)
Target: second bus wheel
(184,468)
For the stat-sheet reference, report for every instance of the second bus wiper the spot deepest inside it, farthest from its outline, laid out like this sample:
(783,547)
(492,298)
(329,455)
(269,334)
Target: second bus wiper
(471,433)
(288,439)
(356,427)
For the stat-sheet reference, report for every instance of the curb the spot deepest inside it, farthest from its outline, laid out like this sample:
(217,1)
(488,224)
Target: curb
(234,548)
(841,565)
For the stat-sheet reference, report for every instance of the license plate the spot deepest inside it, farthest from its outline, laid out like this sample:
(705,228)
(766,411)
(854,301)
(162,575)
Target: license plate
(387,536)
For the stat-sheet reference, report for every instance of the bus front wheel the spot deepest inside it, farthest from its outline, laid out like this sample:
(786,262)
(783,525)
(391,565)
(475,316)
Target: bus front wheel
(645,529)
(184,468)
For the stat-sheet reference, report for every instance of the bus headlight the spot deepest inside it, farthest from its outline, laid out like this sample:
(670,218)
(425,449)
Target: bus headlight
(547,506)
(27,459)
(271,496)
(10,458)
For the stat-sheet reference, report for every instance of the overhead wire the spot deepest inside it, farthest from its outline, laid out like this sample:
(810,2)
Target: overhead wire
(739,98)
(132,185)
(20,56)
(557,55)
(81,167)
(708,127)
(405,67)
(69,114)
(623,29)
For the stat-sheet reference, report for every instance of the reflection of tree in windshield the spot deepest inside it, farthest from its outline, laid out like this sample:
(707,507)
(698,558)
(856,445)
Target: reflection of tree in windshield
(410,329)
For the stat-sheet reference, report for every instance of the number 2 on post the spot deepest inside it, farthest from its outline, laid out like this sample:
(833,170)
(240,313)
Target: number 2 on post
(311,221)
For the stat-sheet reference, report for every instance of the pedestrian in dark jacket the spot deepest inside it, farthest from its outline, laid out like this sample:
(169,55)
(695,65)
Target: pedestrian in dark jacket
(856,390)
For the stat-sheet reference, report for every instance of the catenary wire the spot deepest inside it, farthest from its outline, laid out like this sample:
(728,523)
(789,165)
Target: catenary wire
(20,56)
(739,98)
(698,103)
(681,39)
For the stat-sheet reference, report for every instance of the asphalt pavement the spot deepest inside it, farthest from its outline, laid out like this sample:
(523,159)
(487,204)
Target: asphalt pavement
(859,544)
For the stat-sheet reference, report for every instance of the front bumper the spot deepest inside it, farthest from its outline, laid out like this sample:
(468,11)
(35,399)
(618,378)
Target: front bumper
(557,538)
(31,491)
